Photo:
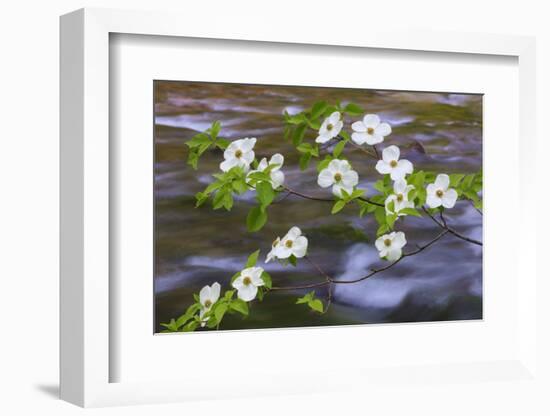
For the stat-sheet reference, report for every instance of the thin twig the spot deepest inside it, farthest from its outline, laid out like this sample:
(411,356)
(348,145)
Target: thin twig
(315,198)
(330,281)
(451,230)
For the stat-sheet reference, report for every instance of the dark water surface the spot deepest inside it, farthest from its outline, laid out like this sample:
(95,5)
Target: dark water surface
(194,247)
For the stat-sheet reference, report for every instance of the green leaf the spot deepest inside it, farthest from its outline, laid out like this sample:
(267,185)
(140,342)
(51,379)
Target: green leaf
(190,327)
(256,219)
(229,294)
(201,198)
(455,178)
(198,140)
(252,259)
(215,129)
(338,206)
(353,109)
(222,143)
(339,148)
(240,306)
(306,298)
(390,220)
(298,134)
(410,211)
(304,161)
(193,159)
(323,164)
(316,305)
(266,277)
(220,311)
(264,193)
(304,148)
(379,186)
(293,260)
(318,109)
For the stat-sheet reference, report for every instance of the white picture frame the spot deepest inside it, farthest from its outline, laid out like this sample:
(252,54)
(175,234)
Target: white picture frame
(85,209)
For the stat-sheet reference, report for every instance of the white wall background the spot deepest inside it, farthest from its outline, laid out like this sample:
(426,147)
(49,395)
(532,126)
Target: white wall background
(29,56)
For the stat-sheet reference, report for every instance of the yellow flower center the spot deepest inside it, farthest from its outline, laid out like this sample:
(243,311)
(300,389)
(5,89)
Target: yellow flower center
(247,280)
(370,130)
(238,153)
(439,193)
(207,303)
(289,243)
(387,242)
(400,197)
(329,127)
(393,163)
(337,177)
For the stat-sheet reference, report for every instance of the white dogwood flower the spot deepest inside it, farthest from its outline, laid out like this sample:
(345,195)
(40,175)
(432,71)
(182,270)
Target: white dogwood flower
(439,193)
(370,130)
(390,245)
(400,197)
(247,283)
(391,164)
(339,175)
(239,153)
(207,297)
(271,255)
(330,128)
(292,244)
(276,174)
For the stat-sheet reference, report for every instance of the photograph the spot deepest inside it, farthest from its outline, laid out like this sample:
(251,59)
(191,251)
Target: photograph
(302,206)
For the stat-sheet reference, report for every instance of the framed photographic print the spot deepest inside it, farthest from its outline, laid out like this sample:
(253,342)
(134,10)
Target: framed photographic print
(304,197)
(239,197)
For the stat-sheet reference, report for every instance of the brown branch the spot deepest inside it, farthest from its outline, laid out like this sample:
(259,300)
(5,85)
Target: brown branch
(315,198)
(330,281)
(444,226)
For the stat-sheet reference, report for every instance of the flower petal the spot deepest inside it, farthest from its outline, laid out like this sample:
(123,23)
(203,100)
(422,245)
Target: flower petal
(238,282)
(227,164)
(247,144)
(350,178)
(399,186)
(277,178)
(247,293)
(247,157)
(299,248)
(262,165)
(373,139)
(397,173)
(399,240)
(337,189)
(334,118)
(359,127)
(406,166)
(393,254)
(383,129)
(383,167)
(277,159)
(449,198)
(325,178)
(379,243)
(204,294)
(322,138)
(371,120)
(442,181)
(215,292)
(293,233)
(359,138)
(432,201)
(390,153)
